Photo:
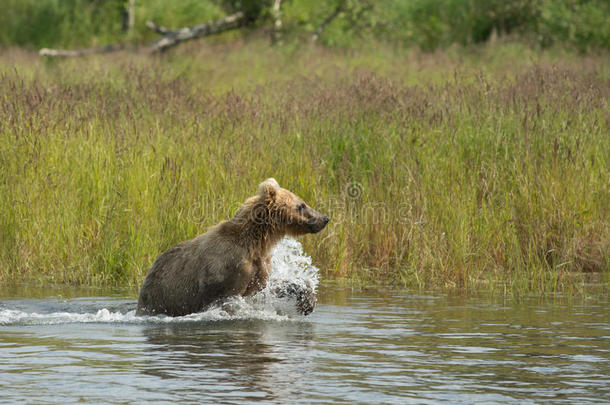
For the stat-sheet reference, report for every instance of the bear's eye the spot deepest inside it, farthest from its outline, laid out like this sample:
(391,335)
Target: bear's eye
(301,207)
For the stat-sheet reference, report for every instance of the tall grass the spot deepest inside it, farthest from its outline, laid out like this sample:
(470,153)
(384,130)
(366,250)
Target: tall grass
(437,170)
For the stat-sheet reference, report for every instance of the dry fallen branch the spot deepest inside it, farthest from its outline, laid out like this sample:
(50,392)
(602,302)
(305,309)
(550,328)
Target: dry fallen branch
(159,29)
(173,38)
(170,37)
(65,53)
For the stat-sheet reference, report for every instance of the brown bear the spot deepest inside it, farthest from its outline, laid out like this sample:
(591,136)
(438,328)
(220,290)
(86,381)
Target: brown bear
(231,258)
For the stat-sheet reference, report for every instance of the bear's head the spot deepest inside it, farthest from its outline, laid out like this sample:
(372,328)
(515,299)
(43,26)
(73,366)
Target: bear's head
(286,212)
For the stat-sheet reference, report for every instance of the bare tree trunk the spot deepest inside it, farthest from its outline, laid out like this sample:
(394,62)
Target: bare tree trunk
(128,16)
(173,38)
(327,21)
(276,31)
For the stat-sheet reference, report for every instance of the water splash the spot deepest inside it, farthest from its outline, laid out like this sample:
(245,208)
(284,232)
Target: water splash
(289,263)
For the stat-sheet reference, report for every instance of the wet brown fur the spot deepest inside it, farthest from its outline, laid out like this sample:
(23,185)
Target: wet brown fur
(231,258)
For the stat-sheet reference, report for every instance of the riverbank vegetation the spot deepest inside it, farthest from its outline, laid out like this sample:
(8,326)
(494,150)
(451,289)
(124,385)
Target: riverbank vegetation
(583,25)
(466,168)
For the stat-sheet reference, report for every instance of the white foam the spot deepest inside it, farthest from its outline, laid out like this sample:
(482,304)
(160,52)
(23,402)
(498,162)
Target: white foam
(289,263)
(10,317)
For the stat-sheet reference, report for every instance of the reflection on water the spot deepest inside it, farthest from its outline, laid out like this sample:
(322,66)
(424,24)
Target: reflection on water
(237,361)
(357,347)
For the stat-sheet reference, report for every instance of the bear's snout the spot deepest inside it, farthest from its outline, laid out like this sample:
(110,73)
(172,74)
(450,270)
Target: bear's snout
(318,223)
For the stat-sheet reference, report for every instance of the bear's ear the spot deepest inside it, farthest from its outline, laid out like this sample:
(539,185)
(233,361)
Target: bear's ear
(268,189)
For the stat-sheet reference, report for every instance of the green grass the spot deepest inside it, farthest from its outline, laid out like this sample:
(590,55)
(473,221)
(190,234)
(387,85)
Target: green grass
(487,167)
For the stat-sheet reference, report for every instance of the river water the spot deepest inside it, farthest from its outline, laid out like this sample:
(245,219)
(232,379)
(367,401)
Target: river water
(359,346)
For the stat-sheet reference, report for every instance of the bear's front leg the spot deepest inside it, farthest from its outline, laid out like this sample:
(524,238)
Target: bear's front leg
(262,268)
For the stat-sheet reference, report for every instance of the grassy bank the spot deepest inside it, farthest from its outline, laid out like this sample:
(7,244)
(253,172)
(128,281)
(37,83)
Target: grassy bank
(455,170)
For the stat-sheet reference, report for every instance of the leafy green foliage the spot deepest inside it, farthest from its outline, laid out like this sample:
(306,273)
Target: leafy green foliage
(428,24)
(431,24)
(582,23)
(50,22)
